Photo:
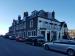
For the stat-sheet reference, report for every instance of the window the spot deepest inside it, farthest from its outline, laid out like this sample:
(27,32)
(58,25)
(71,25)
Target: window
(24,34)
(33,33)
(40,21)
(31,23)
(46,22)
(43,33)
(55,24)
(51,23)
(24,24)
(29,33)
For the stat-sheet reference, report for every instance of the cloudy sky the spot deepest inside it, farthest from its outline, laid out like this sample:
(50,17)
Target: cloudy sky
(10,9)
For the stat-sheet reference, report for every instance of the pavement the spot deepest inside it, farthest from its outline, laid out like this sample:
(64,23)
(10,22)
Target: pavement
(13,48)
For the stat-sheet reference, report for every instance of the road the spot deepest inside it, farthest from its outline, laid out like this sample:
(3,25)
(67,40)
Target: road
(13,48)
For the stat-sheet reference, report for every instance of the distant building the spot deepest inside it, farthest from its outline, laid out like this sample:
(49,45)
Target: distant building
(39,23)
(71,33)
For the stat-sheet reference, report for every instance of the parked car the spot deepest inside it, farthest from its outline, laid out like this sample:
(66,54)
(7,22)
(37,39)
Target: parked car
(6,36)
(12,37)
(1,36)
(29,41)
(20,39)
(40,42)
(66,46)
(37,40)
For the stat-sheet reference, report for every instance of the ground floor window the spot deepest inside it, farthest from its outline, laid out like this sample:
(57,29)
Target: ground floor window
(33,33)
(43,33)
(24,34)
(29,33)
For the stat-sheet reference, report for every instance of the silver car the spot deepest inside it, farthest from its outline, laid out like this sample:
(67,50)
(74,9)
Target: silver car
(66,46)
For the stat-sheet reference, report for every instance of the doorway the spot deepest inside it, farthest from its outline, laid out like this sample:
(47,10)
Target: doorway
(53,36)
(48,36)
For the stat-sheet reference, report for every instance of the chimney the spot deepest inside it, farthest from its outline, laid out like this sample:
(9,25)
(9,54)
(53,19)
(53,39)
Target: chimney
(19,17)
(25,14)
(53,15)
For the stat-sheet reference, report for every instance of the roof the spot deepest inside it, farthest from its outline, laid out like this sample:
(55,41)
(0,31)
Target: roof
(63,23)
(55,20)
(52,19)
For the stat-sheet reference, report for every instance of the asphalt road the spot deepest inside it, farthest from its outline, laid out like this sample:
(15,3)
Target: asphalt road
(13,48)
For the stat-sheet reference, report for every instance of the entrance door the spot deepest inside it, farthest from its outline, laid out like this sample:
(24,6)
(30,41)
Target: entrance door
(54,36)
(48,36)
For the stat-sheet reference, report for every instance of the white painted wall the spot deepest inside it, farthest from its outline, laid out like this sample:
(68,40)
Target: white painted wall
(48,27)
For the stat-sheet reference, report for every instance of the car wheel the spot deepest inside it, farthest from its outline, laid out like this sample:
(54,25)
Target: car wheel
(46,47)
(70,52)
